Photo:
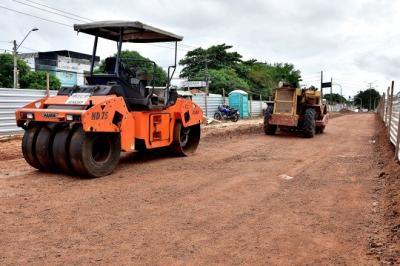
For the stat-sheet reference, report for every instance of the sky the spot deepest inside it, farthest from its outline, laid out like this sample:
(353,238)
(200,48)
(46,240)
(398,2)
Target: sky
(355,42)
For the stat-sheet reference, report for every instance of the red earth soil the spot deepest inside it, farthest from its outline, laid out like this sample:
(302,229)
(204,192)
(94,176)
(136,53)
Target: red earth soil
(243,198)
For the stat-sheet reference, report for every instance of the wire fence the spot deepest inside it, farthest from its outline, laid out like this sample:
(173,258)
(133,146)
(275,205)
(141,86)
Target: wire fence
(389,112)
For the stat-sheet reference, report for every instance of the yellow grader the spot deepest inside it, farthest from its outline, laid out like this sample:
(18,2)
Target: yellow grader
(296,109)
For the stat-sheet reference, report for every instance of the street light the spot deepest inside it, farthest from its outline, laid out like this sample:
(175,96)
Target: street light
(15,49)
(341,95)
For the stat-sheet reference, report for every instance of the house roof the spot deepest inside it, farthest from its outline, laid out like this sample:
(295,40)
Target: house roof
(53,55)
(239,91)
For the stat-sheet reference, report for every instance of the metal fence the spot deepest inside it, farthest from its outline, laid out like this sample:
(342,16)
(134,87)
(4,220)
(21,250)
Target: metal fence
(210,104)
(10,101)
(338,107)
(389,111)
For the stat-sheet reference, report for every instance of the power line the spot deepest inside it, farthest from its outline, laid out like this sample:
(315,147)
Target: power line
(52,12)
(28,48)
(70,26)
(45,19)
(5,50)
(62,11)
(63,24)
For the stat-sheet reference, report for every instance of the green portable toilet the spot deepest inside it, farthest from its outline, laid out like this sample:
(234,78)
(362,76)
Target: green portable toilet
(239,99)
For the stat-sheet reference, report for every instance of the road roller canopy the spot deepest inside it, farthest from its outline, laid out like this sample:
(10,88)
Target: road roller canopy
(132,31)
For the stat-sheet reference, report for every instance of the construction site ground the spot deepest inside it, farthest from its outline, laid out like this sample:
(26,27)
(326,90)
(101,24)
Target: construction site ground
(243,198)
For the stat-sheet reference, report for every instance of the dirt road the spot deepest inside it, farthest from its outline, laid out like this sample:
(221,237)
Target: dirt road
(228,204)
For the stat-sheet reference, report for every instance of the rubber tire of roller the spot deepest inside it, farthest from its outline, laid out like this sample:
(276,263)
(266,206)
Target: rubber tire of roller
(28,147)
(44,147)
(61,150)
(192,143)
(81,153)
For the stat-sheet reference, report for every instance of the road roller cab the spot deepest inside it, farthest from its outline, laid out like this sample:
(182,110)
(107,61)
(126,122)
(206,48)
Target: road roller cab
(83,129)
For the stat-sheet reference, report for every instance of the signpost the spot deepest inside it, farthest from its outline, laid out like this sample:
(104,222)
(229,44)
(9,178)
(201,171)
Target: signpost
(194,84)
(327,85)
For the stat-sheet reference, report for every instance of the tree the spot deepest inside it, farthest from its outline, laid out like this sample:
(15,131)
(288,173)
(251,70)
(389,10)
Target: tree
(285,72)
(27,79)
(7,70)
(367,99)
(37,80)
(336,98)
(127,57)
(260,77)
(227,79)
(265,77)
(216,56)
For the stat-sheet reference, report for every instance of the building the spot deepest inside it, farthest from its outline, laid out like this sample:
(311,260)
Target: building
(68,66)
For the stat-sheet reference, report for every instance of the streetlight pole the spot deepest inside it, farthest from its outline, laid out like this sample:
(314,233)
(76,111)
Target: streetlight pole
(15,64)
(341,95)
(15,49)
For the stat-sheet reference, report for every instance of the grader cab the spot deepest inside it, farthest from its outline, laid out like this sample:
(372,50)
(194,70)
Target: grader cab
(296,109)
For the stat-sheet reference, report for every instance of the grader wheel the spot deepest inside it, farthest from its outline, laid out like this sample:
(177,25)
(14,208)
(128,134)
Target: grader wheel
(268,128)
(94,154)
(309,123)
(185,140)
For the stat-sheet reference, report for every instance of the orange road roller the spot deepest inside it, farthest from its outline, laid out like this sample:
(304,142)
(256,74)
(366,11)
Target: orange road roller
(83,129)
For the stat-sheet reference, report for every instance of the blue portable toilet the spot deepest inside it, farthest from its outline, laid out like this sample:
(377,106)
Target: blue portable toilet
(239,100)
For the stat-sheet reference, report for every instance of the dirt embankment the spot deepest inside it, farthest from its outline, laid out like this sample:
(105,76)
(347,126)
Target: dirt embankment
(385,245)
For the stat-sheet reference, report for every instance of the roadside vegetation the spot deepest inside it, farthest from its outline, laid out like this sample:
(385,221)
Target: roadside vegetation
(27,78)
(227,70)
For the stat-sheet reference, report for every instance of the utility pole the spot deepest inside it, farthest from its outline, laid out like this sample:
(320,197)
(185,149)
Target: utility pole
(206,78)
(206,74)
(330,96)
(370,89)
(15,70)
(15,49)
(47,84)
(322,80)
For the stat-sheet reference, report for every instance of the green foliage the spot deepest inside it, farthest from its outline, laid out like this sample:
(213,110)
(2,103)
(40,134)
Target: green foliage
(368,98)
(6,70)
(250,75)
(260,79)
(285,72)
(226,78)
(37,80)
(336,98)
(216,56)
(160,76)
